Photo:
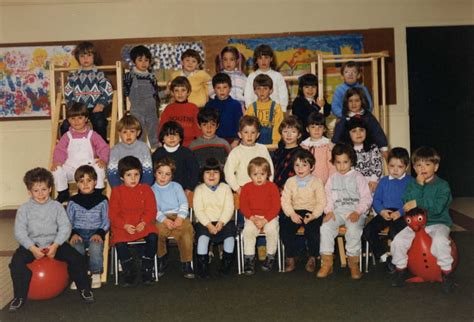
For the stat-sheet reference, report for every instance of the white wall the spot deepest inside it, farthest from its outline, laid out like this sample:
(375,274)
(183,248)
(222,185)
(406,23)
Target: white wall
(25,144)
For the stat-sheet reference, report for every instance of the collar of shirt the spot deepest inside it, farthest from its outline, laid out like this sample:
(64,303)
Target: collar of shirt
(352,114)
(391,178)
(171,149)
(321,141)
(302,182)
(213,188)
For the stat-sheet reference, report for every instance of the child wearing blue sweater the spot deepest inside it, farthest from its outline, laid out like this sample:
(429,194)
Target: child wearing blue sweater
(388,203)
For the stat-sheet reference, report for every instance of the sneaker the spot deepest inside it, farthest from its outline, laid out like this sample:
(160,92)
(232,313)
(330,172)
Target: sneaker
(268,264)
(447,284)
(16,304)
(96,281)
(87,296)
(73,286)
(188,270)
(249,266)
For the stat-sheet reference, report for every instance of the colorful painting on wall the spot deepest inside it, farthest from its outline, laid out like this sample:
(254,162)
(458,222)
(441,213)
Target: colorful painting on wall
(24,79)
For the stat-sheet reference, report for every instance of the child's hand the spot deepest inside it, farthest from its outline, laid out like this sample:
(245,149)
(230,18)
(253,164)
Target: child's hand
(353,216)
(212,229)
(98,108)
(320,102)
(409,205)
(55,166)
(395,215)
(178,222)
(140,227)
(169,223)
(386,214)
(75,239)
(385,155)
(372,186)
(329,216)
(37,252)
(307,218)
(296,218)
(96,238)
(219,226)
(420,179)
(130,229)
(52,250)
(101,164)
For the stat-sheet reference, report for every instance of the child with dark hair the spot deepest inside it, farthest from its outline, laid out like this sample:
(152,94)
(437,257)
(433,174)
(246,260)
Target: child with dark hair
(89,86)
(132,217)
(182,111)
(88,212)
(187,167)
(80,145)
(213,205)
(303,200)
(141,88)
(264,62)
(229,109)
(192,64)
(42,229)
(319,145)
(231,62)
(290,130)
(388,204)
(209,144)
(350,73)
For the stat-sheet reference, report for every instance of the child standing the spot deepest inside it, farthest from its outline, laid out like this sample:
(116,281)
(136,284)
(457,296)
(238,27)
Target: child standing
(320,146)
(213,205)
(232,63)
(432,193)
(172,217)
(140,86)
(191,63)
(388,203)
(209,144)
(88,213)
(268,111)
(129,129)
(302,201)
(42,229)
(89,86)
(348,199)
(260,205)
(187,168)
(290,130)
(350,73)
(80,145)
(265,63)
(132,216)
(182,111)
(230,110)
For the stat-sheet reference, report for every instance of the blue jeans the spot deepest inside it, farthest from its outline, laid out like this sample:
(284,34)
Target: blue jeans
(95,250)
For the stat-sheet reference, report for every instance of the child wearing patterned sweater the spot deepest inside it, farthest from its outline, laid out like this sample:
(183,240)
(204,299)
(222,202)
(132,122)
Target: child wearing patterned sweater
(129,129)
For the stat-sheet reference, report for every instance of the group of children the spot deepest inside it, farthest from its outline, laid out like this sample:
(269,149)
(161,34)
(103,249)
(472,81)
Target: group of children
(212,154)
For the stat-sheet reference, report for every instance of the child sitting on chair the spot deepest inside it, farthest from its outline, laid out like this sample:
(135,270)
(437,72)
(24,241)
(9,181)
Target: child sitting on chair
(78,146)
(172,217)
(88,214)
(132,217)
(42,229)
(260,205)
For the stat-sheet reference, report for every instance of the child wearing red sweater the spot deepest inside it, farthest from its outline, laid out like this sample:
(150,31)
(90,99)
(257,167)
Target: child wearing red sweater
(260,205)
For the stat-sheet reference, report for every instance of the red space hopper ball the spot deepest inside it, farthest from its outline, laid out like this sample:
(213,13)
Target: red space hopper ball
(421,262)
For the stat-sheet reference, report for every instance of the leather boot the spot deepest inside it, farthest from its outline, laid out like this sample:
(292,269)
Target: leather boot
(147,270)
(226,263)
(311,264)
(203,266)
(290,264)
(326,266)
(128,272)
(354,267)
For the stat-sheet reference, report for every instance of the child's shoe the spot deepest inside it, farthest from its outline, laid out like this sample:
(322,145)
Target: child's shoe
(16,304)
(226,263)
(268,264)
(87,296)
(147,270)
(389,267)
(203,266)
(96,281)
(73,286)
(249,266)
(290,264)
(188,270)
(326,266)
(447,284)
(399,278)
(129,272)
(63,196)
(356,274)
(311,264)
(162,265)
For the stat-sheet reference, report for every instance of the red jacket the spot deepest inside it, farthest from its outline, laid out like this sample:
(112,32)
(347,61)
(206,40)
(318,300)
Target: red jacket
(186,115)
(132,206)
(261,200)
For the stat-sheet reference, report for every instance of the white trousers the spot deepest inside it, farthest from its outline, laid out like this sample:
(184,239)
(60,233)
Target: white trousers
(250,233)
(330,229)
(65,173)
(440,246)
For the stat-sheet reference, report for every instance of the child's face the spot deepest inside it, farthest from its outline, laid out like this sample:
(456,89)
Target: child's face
(86,60)
(171,140)
(263,93)
(208,129)
(131,178)
(396,168)
(426,169)
(212,177)
(264,62)
(86,184)
(354,104)
(310,91)
(302,168)
(129,136)
(189,64)
(342,163)
(315,131)
(40,192)
(163,175)
(350,75)
(229,61)
(78,123)
(180,94)
(358,135)
(248,135)
(222,91)
(290,136)
(258,175)
(142,63)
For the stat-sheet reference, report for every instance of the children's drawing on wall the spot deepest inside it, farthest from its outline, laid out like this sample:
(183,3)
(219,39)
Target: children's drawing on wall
(294,55)
(24,78)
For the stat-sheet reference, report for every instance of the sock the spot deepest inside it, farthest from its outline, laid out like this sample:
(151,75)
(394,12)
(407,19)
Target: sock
(229,245)
(383,258)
